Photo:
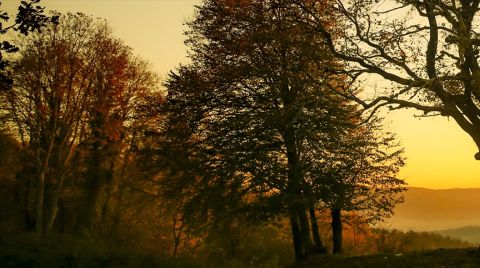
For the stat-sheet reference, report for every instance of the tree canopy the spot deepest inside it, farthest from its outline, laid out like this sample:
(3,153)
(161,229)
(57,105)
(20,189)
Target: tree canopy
(30,18)
(76,90)
(260,136)
(427,49)
(257,108)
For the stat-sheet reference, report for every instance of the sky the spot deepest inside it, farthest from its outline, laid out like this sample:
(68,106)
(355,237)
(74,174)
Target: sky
(439,154)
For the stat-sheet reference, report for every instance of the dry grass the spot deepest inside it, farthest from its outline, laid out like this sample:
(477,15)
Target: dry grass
(31,251)
(439,258)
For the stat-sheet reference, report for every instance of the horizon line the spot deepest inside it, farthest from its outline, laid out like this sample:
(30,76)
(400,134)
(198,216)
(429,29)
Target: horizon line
(453,188)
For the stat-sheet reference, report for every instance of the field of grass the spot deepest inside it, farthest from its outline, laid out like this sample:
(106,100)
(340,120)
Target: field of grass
(30,251)
(439,258)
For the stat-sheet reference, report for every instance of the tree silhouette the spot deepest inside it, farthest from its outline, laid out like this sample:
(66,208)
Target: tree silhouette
(359,175)
(75,93)
(30,18)
(427,49)
(253,107)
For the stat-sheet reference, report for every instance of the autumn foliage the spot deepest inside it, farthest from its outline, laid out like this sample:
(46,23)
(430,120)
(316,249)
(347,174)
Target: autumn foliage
(255,151)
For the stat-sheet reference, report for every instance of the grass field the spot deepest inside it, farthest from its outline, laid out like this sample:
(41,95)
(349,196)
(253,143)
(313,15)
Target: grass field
(34,252)
(439,258)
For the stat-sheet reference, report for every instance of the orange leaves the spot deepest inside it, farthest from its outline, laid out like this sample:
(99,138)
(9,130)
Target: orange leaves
(113,130)
(233,7)
(236,3)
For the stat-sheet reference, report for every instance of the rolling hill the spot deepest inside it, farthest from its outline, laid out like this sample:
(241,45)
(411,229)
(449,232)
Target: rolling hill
(433,210)
(469,234)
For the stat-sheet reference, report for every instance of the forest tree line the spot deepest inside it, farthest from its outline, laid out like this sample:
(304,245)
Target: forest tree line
(260,128)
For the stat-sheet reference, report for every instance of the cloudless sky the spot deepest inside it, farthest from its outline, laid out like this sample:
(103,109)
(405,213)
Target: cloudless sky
(439,154)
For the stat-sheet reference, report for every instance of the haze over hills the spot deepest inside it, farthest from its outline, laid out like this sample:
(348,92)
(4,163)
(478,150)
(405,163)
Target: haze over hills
(433,210)
(469,234)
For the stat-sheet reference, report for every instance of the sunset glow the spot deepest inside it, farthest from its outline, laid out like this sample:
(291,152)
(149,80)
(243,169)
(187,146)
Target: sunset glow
(439,154)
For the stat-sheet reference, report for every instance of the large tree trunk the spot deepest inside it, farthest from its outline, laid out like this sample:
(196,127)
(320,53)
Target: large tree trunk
(337,230)
(118,210)
(28,206)
(111,187)
(54,202)
(305,229)
(40,191)
(318,245)
(64,154)
(93,185)
(96,172)
(92,194)
(297,237)
(39,202)
(301,236)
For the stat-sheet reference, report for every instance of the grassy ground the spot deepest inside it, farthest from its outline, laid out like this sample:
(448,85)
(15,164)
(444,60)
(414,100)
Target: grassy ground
(439,258)
(31,251)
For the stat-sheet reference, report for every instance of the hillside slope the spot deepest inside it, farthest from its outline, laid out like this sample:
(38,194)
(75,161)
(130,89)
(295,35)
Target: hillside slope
(469,234)
(458,258)
(432,210)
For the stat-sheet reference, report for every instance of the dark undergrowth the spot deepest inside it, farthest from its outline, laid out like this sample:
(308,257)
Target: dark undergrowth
(438,258)
(32,251)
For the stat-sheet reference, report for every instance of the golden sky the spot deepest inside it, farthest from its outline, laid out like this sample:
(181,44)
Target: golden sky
(439,154)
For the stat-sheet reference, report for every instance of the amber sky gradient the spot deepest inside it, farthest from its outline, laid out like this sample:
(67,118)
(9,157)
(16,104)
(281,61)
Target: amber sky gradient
(440,154)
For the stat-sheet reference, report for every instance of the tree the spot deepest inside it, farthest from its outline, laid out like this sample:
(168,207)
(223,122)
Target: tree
(47,104)
(427,49)
(10,200)
(121,84)
(30,18)
(250,109)
(360,176)
(120,114)
(76,90)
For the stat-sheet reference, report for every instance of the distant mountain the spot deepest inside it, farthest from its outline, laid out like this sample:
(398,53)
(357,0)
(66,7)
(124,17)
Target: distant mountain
(468,233)
(432,210)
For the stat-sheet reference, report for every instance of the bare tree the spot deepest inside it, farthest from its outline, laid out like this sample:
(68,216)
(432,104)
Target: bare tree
(427,49)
